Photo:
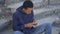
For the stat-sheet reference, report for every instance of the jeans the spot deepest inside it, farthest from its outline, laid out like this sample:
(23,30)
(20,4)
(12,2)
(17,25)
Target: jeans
(46,28)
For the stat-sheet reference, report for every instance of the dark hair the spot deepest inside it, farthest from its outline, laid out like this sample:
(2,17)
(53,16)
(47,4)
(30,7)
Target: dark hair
(28,4)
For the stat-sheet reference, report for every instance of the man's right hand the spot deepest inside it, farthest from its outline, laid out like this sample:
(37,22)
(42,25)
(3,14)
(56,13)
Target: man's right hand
(29,25)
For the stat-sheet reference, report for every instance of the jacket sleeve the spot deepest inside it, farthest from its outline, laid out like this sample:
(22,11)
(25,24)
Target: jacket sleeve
(17,24)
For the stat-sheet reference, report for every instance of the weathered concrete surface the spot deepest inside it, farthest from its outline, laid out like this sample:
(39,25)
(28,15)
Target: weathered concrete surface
(46,14)
(37,4)
(9,30)
(4,23)
(54,2)
(5,17)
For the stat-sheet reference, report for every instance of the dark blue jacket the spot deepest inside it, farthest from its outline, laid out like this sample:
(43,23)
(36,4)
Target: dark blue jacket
(20,18)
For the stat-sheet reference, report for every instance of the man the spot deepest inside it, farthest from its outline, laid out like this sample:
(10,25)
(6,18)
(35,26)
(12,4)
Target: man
(23,21)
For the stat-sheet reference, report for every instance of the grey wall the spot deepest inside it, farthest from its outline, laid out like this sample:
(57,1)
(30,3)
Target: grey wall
(54,2)
(12,1)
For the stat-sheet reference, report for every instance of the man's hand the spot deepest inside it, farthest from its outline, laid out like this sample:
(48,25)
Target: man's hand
(34,23)
(30,25)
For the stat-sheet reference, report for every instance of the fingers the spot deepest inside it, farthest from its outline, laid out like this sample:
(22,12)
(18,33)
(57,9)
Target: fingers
(28,25)
(34,23)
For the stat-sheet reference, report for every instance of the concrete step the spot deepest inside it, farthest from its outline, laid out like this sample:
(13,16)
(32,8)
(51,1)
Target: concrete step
(45,12)
(54,2)
(37,4)
(4,22)
(7,30)
(48,13)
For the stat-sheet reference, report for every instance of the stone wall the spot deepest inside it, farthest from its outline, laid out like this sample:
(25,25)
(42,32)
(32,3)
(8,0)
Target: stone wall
(48,14)
(40,3)
(54,2)
(5,13)
(12,1)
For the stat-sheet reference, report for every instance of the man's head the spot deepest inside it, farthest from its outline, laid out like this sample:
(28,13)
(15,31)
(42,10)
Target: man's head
(27,7)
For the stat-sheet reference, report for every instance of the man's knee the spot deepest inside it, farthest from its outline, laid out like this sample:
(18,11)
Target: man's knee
(18,32)
(48,24)
(45,25)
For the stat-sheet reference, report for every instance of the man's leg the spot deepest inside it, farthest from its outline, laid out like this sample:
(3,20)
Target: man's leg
(43,28)
(48,29)
(18,32)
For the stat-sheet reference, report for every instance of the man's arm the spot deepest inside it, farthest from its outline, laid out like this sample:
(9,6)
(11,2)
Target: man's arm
(30,25)
(33,22)
(16,25)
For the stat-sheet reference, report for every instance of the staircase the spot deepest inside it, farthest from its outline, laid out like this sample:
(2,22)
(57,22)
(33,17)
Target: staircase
(43,11)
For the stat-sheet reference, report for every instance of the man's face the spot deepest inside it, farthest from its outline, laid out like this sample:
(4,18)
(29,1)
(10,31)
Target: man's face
(28,10)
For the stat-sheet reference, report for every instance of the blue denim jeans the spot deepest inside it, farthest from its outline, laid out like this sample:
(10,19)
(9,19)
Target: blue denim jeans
(40,29)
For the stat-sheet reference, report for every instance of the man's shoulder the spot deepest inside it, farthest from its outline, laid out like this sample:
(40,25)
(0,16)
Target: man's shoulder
(17,13)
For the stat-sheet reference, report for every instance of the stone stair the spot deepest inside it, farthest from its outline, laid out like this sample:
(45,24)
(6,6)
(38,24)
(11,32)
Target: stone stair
(43,11)
(5,17)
